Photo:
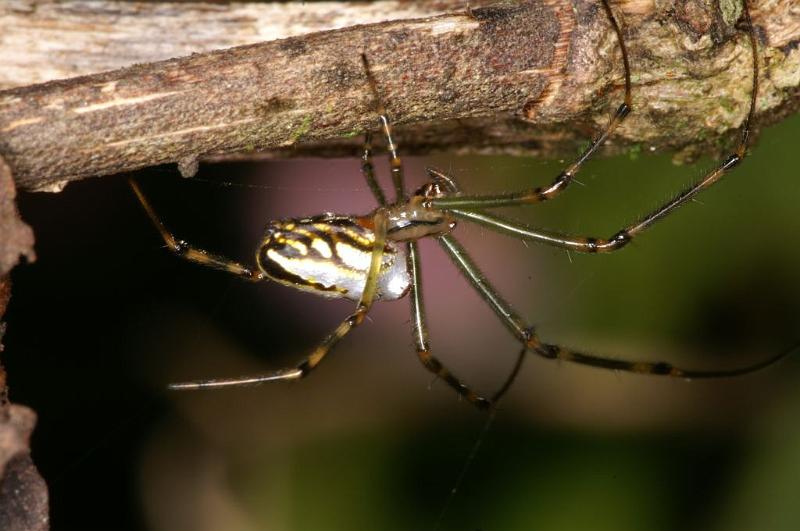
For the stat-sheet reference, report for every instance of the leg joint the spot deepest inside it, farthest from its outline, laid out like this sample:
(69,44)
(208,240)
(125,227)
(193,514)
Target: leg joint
(304,368)
(550,352)
(530,338)
(355,319)
(180,247)
(620,239)
(731,162)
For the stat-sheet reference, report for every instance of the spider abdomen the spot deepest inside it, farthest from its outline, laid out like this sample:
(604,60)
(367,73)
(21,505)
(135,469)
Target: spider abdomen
(330,255)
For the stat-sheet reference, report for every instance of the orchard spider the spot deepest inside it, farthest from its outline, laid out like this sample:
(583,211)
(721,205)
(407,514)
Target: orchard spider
(375,257)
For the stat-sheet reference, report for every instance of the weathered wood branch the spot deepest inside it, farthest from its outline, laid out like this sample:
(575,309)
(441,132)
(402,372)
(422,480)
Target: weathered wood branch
(553,63)
(45,40)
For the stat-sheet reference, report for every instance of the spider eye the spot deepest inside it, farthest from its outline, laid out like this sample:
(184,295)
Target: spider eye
(431,190)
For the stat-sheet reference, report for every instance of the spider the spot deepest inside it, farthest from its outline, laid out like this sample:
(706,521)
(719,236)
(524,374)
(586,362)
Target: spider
(375,257)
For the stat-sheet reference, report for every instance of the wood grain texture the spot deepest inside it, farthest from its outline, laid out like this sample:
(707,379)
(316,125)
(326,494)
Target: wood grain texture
(51,39)
(533,76)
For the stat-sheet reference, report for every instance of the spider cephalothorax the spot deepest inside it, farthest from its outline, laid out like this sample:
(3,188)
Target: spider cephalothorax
(415,219)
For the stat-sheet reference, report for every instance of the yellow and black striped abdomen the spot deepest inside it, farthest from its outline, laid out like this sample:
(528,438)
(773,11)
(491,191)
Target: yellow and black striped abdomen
(330,255)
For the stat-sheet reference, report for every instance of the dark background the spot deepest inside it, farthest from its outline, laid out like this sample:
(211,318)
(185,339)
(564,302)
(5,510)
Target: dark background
(106,317)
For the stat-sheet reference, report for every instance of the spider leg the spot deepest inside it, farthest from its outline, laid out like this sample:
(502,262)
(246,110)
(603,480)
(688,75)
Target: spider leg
(508,316)
(368,171)
(624,236)
(539,194)
(420,332)
(351,321)
(536,195)
(396,164)
(528,337)
(519,230)
(193,254)
(511,377)
(444,179)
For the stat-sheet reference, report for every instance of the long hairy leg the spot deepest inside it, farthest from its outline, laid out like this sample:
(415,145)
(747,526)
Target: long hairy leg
(526,334)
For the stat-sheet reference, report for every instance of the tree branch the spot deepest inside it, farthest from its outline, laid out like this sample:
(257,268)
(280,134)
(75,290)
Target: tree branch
(45,40)
(455,80)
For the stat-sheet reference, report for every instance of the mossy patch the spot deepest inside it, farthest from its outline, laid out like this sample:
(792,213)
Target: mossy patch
(301,130)
(634,151)
(731,10)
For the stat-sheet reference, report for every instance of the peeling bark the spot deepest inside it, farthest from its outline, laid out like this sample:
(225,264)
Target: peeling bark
(23,492)
(470,75)
(16,238)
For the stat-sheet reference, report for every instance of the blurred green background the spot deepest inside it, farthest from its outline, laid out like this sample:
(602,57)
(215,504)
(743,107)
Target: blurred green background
(106,317)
